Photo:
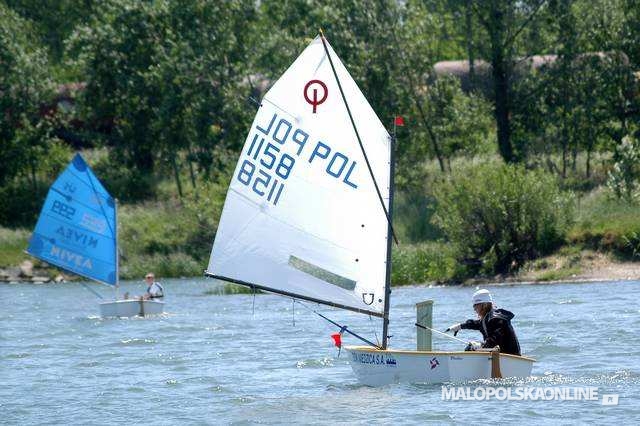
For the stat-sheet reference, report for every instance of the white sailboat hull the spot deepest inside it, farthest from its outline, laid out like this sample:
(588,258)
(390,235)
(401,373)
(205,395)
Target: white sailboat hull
(375,367)
(131,308)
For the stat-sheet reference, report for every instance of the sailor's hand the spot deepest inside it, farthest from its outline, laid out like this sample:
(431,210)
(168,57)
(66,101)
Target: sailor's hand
(473,346)
(455,328)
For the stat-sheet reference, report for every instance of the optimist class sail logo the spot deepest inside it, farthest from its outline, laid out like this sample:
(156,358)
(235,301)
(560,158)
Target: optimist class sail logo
(313,100)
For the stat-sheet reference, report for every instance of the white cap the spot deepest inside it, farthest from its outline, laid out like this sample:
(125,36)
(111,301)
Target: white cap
(481,296)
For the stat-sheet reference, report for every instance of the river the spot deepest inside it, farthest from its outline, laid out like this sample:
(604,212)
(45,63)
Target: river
(236,359)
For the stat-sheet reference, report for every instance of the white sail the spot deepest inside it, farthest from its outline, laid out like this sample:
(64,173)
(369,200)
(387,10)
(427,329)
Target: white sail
(302,216)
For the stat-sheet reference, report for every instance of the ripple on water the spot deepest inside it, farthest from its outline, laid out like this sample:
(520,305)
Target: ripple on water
(135,342)
(88,364)
(569,302)
(17,355)
(315,363)
(550,349)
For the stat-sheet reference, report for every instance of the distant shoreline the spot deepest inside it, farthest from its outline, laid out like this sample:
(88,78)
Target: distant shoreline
(587,267)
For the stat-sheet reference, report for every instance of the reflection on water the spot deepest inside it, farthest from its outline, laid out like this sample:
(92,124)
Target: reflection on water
(235,358)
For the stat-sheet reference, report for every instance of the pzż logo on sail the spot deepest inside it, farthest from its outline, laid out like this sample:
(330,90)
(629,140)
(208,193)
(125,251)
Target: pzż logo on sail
(377,359)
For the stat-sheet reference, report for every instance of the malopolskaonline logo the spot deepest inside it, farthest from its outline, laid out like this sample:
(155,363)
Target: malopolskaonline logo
(526,393)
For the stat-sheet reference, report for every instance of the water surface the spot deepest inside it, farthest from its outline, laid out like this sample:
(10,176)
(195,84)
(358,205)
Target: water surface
(237,359)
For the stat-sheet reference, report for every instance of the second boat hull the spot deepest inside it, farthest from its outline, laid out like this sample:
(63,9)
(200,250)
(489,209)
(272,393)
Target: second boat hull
(131,308)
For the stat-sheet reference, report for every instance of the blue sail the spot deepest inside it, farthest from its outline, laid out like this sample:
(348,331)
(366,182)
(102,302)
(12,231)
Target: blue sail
(76,229)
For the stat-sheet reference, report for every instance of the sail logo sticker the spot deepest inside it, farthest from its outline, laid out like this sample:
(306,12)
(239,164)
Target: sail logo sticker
(364,298)
(93,223)
(312,84)
(374,359)
(434,362)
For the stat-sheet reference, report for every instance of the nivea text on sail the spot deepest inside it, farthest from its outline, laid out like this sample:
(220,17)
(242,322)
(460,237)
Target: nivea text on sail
(70,258)
(77,237)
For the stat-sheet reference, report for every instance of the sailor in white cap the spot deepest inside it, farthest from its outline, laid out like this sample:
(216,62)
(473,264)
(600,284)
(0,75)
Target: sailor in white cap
(494,324)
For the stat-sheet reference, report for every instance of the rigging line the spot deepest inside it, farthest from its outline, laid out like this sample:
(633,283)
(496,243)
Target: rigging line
(375,333)
(92,290)
(253,303)
(258,103)
(440,332)
(342,328)
(353,124)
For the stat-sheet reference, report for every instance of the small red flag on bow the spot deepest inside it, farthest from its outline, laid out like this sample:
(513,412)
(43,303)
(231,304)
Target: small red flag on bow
(337,339)
(399,121)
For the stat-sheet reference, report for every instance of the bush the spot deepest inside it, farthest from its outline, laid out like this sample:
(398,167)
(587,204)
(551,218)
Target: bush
(20,203)
(171,265)
(413,264)
(171,238)
(498,216)
(127,184)
(22,197)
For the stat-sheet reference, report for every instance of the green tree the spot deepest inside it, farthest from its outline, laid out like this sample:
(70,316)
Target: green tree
(461,122)
(504,23)
(25,93)
(30,153)
(166,77)
(52,21)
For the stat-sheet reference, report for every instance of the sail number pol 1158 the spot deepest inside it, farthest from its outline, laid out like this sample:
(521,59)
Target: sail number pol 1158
(266,167)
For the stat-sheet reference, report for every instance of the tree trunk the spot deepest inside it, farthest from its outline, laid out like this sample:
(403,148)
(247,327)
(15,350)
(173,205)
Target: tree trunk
(565,143)
(500,72)
(176,173)
(589,161)
(192,174)
(502,114)
(432,135)
(470,52)
(34,182)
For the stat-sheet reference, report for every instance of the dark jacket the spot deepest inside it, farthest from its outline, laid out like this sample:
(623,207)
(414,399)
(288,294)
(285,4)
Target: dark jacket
(496,329)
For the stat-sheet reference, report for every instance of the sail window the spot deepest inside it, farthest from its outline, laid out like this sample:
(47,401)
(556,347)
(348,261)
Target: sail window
(321,273)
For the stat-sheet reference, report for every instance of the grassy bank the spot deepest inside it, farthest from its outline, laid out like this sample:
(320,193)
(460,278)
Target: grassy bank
(608,225)
(13,242)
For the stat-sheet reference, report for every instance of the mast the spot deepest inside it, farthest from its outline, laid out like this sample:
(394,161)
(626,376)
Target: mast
(115,212)
(387,283)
